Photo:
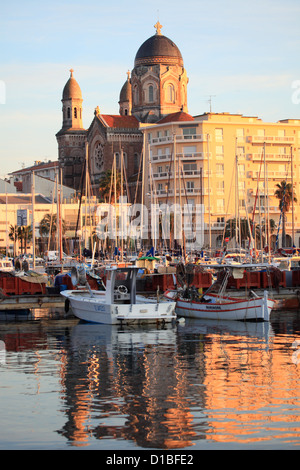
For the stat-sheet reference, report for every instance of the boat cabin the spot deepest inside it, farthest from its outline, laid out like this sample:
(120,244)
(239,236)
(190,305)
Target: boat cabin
(121,285)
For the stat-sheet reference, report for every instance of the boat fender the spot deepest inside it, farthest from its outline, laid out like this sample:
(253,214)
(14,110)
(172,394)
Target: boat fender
(67,305)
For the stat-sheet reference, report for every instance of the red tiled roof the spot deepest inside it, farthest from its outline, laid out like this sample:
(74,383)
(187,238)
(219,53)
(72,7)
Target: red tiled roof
(121,122)
(175,117)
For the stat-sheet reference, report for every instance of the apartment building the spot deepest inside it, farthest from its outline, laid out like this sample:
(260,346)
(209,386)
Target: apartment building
(230,163)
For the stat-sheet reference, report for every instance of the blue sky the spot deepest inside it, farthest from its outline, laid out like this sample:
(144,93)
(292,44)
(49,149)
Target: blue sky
(245,53)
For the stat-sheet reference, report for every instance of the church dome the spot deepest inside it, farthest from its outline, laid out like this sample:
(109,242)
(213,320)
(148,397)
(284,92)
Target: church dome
(158,50)
(72,89)
(125,93)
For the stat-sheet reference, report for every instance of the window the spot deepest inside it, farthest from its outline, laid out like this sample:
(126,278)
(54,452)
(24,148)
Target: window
(135,94)
(220,205)
(75,113)
(220,187)
(219,152)
(136,162)
(220,169)
(240,134)
(241,171)
(241,152)
(189,132)
(171,93)
(150,93)
(219,135)
(68,113)
(187,151)
(190,186)
(189,168)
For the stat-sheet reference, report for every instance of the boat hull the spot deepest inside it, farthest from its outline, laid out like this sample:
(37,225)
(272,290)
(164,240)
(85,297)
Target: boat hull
(254,309)
(94,309)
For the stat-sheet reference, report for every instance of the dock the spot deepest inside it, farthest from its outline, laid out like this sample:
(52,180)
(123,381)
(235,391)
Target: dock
(22,302)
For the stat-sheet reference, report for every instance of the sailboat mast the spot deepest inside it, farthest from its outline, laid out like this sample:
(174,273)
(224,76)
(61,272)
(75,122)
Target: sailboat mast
(209,211)
(33,219)
(293,221)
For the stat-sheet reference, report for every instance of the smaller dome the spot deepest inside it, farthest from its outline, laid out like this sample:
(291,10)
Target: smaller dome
(125,93)
(72,89)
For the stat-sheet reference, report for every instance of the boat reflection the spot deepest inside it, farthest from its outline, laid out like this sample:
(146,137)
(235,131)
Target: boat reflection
(137,384)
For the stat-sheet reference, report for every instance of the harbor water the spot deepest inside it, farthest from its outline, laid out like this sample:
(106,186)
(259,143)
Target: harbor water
(198,385)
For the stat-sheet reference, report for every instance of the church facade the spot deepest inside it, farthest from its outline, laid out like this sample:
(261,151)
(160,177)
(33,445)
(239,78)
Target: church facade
(156,87)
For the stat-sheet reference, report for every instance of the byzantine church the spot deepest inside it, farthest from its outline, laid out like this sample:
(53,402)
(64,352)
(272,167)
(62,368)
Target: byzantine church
(155,88)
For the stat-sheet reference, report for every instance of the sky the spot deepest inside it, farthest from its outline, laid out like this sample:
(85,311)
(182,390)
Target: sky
(243,54)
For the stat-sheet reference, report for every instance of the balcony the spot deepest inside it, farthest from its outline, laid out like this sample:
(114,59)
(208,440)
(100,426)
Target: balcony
(271,174)
(182,156)
(178,138)
(258,157)
(273,139)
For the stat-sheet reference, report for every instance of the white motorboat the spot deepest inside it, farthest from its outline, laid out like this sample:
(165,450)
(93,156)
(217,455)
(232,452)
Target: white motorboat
(6,265)
(118,304)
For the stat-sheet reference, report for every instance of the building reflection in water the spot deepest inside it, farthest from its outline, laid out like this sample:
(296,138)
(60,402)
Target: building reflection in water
(126,385)
(169,388)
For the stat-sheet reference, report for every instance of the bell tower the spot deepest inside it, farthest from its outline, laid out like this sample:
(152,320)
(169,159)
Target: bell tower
(72,104)
(72,136)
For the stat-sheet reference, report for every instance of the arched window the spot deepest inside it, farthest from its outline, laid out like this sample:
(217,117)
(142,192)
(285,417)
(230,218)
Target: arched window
(171,93)
(75,113)
(68,113)
(150,93)
(136,94)
(136,162)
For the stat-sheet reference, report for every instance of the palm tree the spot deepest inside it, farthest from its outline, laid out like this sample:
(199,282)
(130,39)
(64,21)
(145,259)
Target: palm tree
(230,228)
(286,195)
(48,224)
(13,235)
(106,185)
(22,233)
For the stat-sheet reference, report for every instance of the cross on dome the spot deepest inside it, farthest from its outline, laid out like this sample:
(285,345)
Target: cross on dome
(158,27)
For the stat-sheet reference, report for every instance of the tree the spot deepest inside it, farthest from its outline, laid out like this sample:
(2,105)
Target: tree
(22,233)
(284,193)
(48,225)
(13,235)
(106,186)
(242,224)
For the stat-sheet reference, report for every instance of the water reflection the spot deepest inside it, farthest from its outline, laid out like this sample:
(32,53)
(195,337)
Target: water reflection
(195,385)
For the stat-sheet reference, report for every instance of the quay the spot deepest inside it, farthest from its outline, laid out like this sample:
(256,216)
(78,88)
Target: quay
(23,302)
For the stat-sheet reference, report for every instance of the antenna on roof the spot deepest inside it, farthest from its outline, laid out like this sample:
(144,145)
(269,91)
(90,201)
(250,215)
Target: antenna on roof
(210,102)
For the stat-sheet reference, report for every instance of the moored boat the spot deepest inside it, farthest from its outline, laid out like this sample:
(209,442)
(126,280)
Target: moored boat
(216,305)
(118,304)
(213,307)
